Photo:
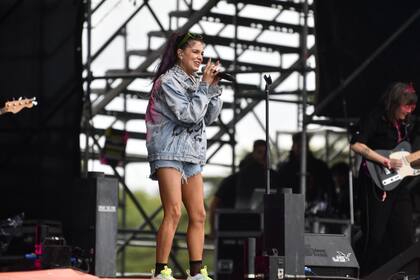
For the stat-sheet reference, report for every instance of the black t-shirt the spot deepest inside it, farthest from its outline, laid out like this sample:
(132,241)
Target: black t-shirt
(227,192)
(251,177)
(241,185)
(319,183)
(377,132)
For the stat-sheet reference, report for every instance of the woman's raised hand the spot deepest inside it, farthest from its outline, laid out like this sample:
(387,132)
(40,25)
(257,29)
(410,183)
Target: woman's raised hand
(210,73)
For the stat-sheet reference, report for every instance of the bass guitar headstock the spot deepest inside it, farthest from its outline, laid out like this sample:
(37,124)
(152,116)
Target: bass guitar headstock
(16,106)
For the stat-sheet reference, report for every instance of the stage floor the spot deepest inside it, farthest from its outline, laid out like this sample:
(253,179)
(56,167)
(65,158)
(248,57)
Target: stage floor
(53,274)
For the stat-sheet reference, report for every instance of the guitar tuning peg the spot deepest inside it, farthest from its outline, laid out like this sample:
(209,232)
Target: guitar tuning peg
(20,98)
(34,98)
(35,103)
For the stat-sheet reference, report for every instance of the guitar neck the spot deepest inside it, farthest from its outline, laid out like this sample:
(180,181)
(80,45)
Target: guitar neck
(413,156)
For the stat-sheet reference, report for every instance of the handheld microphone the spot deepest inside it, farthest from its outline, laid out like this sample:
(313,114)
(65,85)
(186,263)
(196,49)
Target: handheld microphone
(222,75)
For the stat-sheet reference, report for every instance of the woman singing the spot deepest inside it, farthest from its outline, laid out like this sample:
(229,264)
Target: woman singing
(386,216)
(180,107)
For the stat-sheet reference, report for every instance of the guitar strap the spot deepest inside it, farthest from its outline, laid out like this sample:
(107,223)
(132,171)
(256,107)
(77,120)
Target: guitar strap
(398,127)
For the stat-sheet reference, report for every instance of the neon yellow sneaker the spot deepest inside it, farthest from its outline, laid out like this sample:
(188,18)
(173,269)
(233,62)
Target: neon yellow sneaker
(203,275)
(165,274)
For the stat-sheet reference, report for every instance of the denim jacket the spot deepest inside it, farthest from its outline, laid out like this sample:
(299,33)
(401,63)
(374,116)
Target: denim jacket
(180,107)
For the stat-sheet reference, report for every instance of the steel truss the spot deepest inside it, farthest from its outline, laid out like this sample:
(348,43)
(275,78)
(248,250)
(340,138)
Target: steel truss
(245,96)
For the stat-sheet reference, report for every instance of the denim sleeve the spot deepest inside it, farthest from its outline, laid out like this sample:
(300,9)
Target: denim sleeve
(215,105)
(215,90)
(187,110)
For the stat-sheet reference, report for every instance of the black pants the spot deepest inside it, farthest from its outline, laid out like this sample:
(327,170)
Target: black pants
(386,225)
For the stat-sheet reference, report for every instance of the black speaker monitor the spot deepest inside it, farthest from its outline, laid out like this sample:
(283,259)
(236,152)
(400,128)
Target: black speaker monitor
(93,221)
(284,229)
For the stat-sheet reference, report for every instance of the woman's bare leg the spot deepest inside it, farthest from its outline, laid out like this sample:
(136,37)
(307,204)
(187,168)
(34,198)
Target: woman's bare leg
(170,194)
(193,199)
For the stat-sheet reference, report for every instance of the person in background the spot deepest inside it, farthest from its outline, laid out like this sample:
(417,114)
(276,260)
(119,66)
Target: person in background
(180,107)
(339,207)
(340,199)
(253,176)
(319,183)
(225,196)
(386,216)
(240,185)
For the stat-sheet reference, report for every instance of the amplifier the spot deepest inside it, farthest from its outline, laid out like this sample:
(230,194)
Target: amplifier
(93,225)
(284,229)
(238,222)
(233,229)
(330,255)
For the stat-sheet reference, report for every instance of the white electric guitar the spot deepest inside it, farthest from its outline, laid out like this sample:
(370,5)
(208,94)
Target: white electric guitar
(387,179)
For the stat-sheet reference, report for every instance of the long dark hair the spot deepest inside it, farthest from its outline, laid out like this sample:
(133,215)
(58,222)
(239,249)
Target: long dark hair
(398,94)
(169,57)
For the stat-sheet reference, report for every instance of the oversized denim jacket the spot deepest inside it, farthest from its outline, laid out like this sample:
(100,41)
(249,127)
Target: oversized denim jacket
(180,107)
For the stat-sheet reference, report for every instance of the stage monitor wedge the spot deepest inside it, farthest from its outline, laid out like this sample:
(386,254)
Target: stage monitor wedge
(330,255)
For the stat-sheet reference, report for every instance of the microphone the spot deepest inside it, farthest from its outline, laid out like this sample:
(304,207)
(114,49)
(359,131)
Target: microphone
(222,75)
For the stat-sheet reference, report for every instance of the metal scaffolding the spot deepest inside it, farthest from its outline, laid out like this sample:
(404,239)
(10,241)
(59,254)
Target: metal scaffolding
(245,96)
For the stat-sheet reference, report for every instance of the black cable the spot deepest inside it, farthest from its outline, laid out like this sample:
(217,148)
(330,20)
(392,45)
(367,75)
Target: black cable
(402,273)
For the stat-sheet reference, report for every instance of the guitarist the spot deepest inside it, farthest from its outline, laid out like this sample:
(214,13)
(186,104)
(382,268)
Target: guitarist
(386,216)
